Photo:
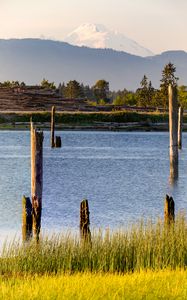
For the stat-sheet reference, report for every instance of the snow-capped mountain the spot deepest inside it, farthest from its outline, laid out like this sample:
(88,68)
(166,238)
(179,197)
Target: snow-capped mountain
(98,36)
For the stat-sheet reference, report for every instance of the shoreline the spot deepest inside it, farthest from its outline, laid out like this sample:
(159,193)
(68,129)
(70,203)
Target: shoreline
(65,127)
(101,127)
(85,121)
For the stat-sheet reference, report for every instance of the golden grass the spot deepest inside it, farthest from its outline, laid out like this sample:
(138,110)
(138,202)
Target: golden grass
(139,285)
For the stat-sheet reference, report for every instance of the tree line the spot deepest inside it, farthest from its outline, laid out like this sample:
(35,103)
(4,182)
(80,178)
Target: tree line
(147,96)
(99,94)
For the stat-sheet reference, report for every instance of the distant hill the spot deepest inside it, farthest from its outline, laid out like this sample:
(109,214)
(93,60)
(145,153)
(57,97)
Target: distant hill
(31,60)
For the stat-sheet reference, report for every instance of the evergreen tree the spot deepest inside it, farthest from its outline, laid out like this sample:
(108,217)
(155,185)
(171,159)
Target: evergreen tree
(142,92)
(101,90)
(73,89)
(168,77)
(88,92)
(145,93)
(45,84)
(59,89)
(82,94)
(63,90)
(182,96)
(22,84)
(156,99)
(151,92)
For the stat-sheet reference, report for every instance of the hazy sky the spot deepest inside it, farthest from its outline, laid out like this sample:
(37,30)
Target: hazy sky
(156,24)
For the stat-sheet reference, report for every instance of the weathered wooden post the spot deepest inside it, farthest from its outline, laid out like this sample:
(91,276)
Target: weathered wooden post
(36,179)
(180,127)
(55,141)
(58,143)
(53,127)
(169,210)
(85,221)
(26,219)
(173,128)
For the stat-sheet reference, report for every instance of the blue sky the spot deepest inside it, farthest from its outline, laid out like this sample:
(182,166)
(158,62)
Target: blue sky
(156,24)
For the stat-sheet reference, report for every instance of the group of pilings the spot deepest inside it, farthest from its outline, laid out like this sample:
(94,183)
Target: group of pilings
(85,233)
(32,209)
(175,129)
(175,133)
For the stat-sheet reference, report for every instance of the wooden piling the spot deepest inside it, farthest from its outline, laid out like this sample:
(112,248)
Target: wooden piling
(26,219)
(58,142)
(85,221)
(180,127)
(36,179)
(53,127)
(169,210)
(173,128)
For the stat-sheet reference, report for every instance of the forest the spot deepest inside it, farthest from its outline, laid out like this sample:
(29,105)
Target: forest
(146,95)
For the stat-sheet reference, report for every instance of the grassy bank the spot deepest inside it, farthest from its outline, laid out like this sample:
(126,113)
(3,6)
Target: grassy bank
(116,121)
(147,261)
(81,118)
(142,247)
(144,285)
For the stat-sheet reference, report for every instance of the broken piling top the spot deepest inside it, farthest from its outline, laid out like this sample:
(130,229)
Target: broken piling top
(173,131)
(53,127)
(26,219)
(84,213)
(169,210)
(85,221)
(58,142)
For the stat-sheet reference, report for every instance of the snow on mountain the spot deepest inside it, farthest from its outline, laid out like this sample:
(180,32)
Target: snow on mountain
(98,36)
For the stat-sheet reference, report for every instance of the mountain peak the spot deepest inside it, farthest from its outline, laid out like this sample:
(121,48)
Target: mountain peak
(92,27)
(98,36)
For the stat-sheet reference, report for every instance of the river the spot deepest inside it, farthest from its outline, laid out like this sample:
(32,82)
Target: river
(124,176)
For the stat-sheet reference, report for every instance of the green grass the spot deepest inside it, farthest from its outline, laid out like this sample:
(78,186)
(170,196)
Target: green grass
(146,261)
(140,285)
(81,118)
(143,247)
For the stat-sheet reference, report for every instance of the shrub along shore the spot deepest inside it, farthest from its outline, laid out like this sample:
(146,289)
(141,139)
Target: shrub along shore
(117,120)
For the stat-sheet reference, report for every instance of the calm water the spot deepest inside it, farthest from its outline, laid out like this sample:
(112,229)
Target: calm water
(123,175)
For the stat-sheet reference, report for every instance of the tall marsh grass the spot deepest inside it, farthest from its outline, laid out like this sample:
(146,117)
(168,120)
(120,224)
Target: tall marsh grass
(143,246)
